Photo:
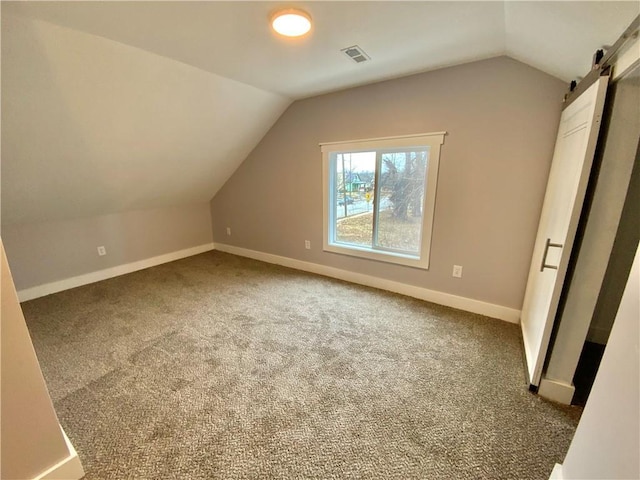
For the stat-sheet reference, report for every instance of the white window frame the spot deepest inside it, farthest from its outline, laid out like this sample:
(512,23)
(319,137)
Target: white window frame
(329,151)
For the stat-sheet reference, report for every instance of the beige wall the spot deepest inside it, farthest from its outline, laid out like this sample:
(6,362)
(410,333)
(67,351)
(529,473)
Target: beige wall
(622,150)
(31,437)
(626,240)
(40,253)
(501,117)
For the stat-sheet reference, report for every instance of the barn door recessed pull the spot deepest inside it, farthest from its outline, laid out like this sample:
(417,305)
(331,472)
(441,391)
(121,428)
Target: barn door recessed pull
(544,256)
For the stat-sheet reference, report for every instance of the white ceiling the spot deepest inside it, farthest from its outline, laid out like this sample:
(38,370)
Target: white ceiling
(116,106)
(233,39)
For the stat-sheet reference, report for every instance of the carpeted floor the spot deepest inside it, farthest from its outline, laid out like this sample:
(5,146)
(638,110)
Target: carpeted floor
(217,366)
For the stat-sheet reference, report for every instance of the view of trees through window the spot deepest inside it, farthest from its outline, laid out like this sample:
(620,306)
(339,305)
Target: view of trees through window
(386,215)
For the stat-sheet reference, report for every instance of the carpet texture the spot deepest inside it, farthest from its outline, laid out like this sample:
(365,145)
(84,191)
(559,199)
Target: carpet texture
(217,366)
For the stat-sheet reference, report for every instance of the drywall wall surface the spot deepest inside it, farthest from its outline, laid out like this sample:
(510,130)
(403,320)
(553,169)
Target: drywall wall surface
(628,233)
(31,438)
(605,201)
(91,126)
(45,252)
(501,117)
(607,440)
(626,241)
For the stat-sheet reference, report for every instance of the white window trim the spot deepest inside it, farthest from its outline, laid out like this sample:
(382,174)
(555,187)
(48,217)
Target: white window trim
(432,140)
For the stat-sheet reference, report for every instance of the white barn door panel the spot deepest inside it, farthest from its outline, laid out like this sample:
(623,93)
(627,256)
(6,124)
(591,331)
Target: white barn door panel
(568,178)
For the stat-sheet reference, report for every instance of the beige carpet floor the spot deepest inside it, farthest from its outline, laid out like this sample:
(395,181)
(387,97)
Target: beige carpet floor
(217,366)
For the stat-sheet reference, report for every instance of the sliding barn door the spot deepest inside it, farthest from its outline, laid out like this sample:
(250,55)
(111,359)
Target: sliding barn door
(570,168)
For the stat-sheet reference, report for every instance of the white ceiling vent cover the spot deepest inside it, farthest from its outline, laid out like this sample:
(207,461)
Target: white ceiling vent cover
(356,54)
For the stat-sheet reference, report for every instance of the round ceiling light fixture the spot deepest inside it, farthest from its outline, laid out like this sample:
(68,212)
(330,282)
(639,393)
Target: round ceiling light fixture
(291,22)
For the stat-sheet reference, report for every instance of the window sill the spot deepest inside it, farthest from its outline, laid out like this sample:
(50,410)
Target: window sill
(379,256)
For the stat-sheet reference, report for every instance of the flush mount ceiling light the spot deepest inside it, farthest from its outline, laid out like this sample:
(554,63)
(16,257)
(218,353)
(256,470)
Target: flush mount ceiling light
(291,22)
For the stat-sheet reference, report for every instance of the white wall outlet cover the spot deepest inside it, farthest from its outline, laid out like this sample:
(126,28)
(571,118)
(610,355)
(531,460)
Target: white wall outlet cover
(228,230)
(457,271)
(307,244)
(102,251)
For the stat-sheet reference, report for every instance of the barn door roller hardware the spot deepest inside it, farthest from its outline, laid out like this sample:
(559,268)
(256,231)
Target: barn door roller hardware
(603,59)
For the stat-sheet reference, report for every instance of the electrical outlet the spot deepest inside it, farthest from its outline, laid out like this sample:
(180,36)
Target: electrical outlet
(102,251)
(457,271)
(307,244)
(229,231)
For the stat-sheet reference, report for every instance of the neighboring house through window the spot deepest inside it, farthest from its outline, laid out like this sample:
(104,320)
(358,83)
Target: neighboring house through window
(379,197)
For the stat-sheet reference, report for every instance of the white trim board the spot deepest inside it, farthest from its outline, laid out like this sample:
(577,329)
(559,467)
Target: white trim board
(69,468)
(67,283)
(556,391)
(556,473)
(462,303)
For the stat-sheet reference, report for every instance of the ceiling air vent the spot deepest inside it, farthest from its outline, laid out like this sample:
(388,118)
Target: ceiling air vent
(356,54)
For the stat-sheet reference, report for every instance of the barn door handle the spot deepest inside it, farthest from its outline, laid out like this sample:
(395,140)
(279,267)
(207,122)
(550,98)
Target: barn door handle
(546,251)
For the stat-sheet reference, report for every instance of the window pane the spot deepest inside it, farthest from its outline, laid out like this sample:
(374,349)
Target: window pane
(402,187)
(354,178)
(380,205)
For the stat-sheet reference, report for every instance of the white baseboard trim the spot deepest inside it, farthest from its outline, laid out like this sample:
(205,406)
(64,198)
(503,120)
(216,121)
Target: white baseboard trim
(556,473)
(68,469)
(470,305)
(67,283)
(556,391)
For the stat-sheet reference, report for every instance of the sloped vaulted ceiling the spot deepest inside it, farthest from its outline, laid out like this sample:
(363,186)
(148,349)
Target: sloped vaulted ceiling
(91,126)
(115,106)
